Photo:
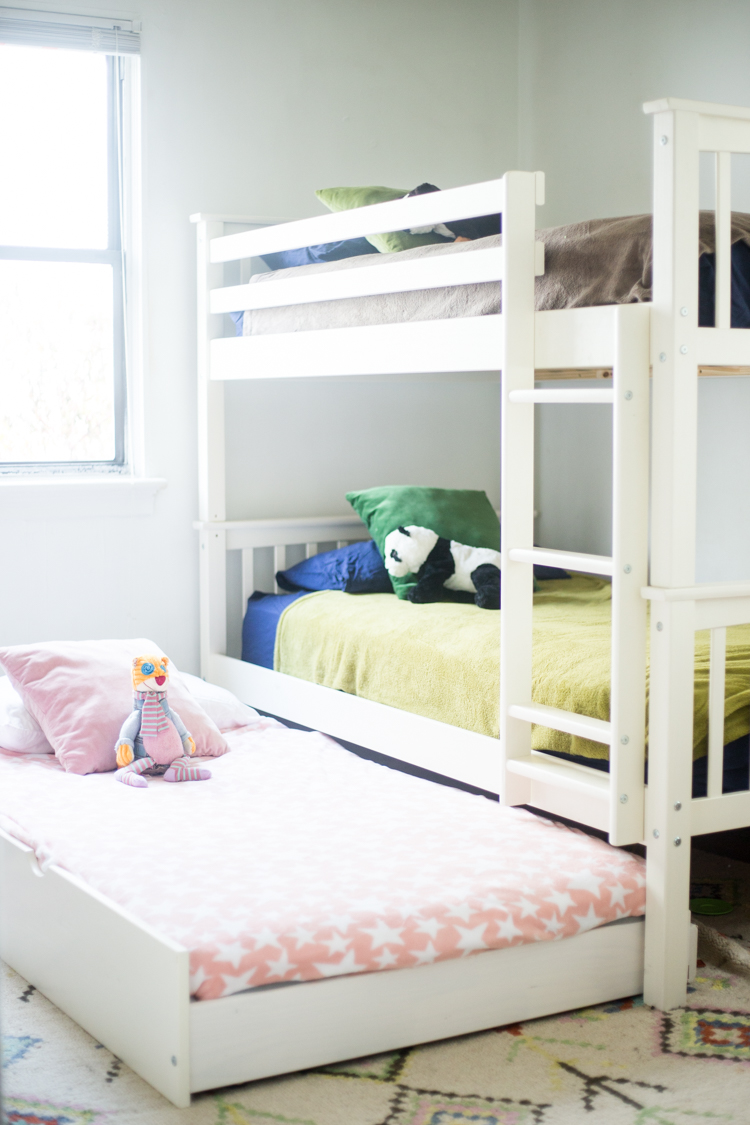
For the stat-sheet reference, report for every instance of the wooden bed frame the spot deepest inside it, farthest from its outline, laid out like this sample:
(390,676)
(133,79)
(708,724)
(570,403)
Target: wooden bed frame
(76,946)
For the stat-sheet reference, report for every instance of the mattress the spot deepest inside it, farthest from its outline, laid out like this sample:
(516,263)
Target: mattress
(299,861)
(442,660)
(602,262)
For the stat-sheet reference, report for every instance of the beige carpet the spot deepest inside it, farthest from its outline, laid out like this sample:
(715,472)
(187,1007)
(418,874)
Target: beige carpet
(618,1063)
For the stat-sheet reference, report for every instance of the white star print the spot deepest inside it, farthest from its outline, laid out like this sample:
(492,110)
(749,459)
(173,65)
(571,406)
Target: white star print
(562,900)
(588,921)
(508,930)
(336,944)
(617,895)
(231,953)
(281,967)
(345,965)
(384,935)
(386,959)
(426,956)
(471,938)
(266,937)
(553,925)
(430,926)
(237,983)
(585,881)
(528,909)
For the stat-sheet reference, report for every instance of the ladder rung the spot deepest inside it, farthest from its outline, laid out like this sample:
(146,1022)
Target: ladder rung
(567,560)
(583,726)
(594,783)
(584,395)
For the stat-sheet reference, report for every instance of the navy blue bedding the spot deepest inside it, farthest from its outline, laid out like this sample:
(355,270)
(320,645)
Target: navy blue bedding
(259,626)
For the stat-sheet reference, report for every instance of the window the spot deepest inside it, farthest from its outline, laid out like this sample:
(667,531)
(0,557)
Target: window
(64,331)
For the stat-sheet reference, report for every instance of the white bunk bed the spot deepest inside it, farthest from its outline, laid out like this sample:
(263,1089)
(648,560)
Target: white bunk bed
(76,945)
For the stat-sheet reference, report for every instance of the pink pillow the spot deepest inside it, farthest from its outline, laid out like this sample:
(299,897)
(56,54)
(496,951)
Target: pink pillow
(80,693)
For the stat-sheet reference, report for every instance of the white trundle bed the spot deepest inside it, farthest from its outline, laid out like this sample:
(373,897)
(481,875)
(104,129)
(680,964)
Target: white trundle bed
(76,945)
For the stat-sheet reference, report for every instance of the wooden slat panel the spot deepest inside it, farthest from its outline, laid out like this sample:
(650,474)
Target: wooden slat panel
(279,563)
(723,240)
(717,677)
(465,268)
(466,344)
(402,214)
(248,576)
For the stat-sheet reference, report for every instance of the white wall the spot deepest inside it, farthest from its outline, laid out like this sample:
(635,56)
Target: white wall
(248,106)
(585,68)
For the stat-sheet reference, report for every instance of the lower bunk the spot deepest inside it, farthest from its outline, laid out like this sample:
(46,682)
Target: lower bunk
(302,907)
(442,660)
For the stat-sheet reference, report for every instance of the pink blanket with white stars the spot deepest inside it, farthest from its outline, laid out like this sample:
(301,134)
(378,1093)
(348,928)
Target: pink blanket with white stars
(298,861)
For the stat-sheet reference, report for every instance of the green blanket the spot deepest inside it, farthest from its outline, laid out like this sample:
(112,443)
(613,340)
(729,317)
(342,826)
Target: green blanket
(442,660)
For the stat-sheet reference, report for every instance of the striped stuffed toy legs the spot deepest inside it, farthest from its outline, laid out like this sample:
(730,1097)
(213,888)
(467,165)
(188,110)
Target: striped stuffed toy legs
(182,769)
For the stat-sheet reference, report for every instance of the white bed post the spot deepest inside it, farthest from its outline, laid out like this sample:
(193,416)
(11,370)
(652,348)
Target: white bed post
(673,497)
(630,417)
(522,192)
(211,471)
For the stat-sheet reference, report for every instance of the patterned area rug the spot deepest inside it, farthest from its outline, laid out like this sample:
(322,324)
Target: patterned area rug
(619,1064)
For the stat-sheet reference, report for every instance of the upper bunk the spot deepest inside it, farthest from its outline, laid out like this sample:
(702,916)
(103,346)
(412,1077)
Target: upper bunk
(567,342)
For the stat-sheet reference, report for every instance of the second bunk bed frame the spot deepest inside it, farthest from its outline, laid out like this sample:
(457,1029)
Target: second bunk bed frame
(661,338)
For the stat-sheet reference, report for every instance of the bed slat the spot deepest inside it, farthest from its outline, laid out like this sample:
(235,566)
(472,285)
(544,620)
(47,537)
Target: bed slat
(723,240)
(717,676)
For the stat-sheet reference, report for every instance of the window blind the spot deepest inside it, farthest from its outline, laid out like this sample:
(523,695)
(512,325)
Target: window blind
(26,28)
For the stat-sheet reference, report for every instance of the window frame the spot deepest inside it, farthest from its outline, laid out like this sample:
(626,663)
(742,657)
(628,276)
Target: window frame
(120,192)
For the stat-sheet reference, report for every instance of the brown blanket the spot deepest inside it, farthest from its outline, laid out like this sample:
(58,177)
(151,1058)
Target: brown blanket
(601,262)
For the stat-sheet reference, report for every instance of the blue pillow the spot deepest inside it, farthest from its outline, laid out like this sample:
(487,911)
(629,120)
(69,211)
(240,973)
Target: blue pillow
(356,569)
(325,252)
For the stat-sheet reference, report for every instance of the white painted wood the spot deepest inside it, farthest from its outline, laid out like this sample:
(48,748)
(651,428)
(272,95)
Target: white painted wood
(575,337)
(431,745)
(713,109)
(264,1032)
(630,483)
(668,803)
(675,376)
(716,683)
(239,220)
(716,614)
(582,726)
(124,983)
(311,549)
(401,214)
(693,952)
(434,272)
(279,563)
(716,134)
(213,595)
(566,560)
(293,531)
(211,482)
(248,576)
(723,297)
(517,476)
(576,396)
(711,590)
(717,347)
(720,814)
(431,346)
(595,783)
(340,543)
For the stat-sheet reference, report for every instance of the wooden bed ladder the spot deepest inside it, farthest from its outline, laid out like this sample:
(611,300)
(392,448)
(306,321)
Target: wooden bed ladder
(615,801)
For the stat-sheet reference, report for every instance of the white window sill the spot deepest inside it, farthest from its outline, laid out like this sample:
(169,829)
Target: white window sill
(47,498)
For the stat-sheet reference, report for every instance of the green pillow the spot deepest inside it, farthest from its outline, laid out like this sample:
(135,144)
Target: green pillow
(347,198)
(462,514)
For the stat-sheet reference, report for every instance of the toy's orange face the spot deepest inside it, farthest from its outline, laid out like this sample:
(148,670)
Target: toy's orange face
(150,673)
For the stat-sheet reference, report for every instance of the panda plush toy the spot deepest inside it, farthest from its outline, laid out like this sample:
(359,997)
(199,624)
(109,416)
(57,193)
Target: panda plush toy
(442,563)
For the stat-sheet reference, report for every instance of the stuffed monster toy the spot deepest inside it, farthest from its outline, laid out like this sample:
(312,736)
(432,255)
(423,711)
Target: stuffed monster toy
(440,563)
(153,739)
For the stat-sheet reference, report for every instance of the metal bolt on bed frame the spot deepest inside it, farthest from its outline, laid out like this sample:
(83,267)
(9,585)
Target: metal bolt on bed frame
(677,806)
(677,841)
(628,395)
(656,833)
(625,739)
(623,798)
(659,625)
(627,568)
(662,357)
(664,140)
